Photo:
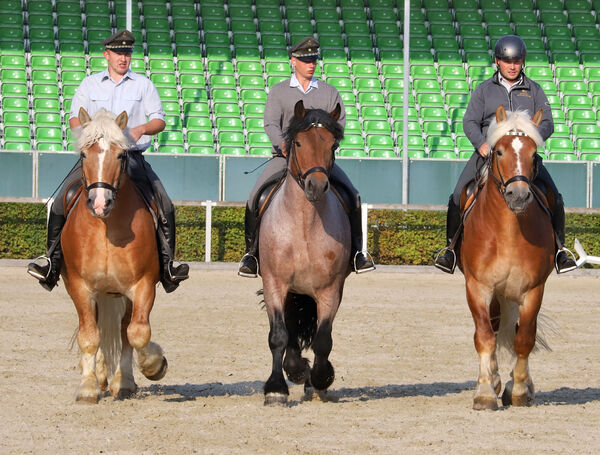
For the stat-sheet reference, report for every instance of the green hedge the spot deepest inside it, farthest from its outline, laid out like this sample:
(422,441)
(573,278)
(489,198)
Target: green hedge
(395,236)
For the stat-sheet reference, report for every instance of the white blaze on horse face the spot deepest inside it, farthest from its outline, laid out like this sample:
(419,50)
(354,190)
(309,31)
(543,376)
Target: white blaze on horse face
(100,196)
(517,146)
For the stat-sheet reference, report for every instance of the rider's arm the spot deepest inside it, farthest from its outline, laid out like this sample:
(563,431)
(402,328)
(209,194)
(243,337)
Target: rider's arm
(473,120)
(273,117)
(546,128)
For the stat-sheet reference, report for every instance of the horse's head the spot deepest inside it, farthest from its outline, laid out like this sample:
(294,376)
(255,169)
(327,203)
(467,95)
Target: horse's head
(103,148)
(514,139)
(311,140)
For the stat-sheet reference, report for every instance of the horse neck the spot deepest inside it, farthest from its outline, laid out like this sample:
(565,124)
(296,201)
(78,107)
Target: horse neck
(295,202)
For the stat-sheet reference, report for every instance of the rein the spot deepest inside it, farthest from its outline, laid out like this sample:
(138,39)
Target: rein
(500,182)
(114,189)
(301,178)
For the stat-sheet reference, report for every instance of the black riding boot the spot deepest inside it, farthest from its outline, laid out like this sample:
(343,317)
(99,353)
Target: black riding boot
(47,268)
(563,262)
(249,263)
(446,262)
(170,274)
(360,262)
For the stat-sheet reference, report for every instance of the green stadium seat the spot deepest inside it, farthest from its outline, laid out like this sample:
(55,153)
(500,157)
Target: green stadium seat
(258,125)
(394,85)
(254,110)
(445,44)
(15,119)
(457,99)
(441,30)
(562,157)
(440,143)
(580,18)
(573,87)
(371,99)
(456,114)
(271,28)
(182,22)
(170,138)
(382,153)
(171,107)
(436,128)
(13,76)
(352,141)
(351,111)
(468,31)
(559,145)
(373,113)
(558,115)
(229,124)
(259,139)
(200,138)
(224,109)
(193,123)
(577,102)
(478,58)
(376,127)
(231,139)
(539,73)
(561,130)
(48,134)
(383,15)
(451,58)
(442,154)
(379,141)
(352,152)
(468,17)
(590,155)
(46,105)
(438,18)
(173,122)
(45,91)
(253,96)
(430,100)
(581,130)
(163,79)
(171,148)
(582,116)
(414,142)
(455,86)
(367,84)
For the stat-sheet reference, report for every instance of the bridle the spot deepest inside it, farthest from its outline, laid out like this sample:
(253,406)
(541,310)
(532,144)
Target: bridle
(123,158)
(300,178)
(500,182)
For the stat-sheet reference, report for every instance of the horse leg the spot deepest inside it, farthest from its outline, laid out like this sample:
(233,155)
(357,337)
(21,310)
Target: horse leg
(296,367)
(495,321)
(123,384)
(88,340)
(322,373)
(151,360)
(485,344)
(101,368)
(519,391)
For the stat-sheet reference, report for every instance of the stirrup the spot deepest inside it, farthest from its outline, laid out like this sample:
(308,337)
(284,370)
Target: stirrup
(569,253)
(442,252)
(368,258)
(34,274)
(172,265)
(248,275)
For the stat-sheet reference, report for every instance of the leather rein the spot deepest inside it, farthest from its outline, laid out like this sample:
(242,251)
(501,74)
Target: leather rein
(300,178)
(115,189)
(500,182)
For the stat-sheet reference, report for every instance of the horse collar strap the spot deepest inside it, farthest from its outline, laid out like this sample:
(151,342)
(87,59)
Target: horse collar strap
(516,133)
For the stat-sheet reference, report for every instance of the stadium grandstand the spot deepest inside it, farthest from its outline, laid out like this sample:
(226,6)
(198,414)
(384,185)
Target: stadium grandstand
(213,62)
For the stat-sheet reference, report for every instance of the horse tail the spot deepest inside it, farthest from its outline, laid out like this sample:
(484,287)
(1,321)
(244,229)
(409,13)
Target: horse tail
(509,320)
(300,312)
(110,312)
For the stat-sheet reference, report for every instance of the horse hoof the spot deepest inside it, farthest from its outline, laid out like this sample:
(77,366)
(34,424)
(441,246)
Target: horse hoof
(485,404)
(87,400)
(274,399)
(124,394)
(161,372)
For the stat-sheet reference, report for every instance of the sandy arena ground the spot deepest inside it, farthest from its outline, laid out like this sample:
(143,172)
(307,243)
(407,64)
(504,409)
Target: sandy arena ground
(406,371)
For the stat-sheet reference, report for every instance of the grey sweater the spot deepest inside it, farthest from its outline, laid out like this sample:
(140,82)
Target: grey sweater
(282,98)
(528,95)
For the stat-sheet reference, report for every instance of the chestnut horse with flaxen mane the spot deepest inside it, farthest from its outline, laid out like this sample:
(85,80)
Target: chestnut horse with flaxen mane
(506,256)
(110,265)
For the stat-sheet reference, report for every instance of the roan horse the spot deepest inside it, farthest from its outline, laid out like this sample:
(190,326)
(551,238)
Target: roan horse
(110,264)
(305,256)
(506,256)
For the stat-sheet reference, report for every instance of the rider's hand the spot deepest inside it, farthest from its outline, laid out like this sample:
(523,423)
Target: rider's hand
(484,150)
(136,132)
(283,150)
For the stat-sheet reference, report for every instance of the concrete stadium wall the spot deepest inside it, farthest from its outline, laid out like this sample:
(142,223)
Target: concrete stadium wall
(225,178)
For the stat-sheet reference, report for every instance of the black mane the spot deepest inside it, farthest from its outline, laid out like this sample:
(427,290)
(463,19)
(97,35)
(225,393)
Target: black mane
(298,125)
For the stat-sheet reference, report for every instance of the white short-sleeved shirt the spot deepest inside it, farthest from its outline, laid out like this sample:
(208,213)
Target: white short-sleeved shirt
(135,94)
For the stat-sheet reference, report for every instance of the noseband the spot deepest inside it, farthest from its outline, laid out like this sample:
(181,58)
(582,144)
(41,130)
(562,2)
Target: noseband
(123,158)
(517,178)
(301,177)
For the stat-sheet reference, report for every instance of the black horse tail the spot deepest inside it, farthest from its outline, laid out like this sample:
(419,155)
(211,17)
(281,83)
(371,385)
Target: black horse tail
(300,318)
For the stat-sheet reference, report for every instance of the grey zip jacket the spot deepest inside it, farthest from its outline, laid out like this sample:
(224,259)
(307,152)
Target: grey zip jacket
(525,95)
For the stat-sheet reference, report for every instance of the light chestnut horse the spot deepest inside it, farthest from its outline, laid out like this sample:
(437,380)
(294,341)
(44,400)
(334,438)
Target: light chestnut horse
(506,256)
(305,256)
(110,265)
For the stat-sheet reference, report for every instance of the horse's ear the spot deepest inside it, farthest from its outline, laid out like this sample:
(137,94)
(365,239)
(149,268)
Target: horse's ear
(299,111)
(500,113)
(537,118)
(121,120)
(84,117)
(335,114)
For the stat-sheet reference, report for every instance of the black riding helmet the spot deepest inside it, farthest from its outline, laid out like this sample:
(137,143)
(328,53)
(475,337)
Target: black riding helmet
(510,47)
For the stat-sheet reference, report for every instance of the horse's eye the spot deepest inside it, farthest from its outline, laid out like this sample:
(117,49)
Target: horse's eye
(499,152)
(298,144)
(83,155)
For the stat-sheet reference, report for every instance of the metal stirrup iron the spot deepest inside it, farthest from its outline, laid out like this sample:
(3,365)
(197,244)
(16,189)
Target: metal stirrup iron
(368,257)
(568,252)
(37,275)
(248,275)
(442,252)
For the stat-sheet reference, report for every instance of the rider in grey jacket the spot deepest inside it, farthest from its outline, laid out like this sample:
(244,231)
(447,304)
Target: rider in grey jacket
(512,88)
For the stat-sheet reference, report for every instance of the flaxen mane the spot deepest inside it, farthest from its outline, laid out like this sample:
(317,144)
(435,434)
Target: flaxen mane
(102,128)
(515,121)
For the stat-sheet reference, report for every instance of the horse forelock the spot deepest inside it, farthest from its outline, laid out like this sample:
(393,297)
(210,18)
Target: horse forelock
(515,121)
(103,129)
(313,116)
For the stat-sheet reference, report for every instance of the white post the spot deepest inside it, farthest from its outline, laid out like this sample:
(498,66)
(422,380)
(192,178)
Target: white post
(128,14)
(406,62)
(208,227)
(364,213)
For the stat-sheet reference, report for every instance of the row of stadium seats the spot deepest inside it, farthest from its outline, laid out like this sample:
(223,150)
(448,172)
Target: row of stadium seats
(214,85)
